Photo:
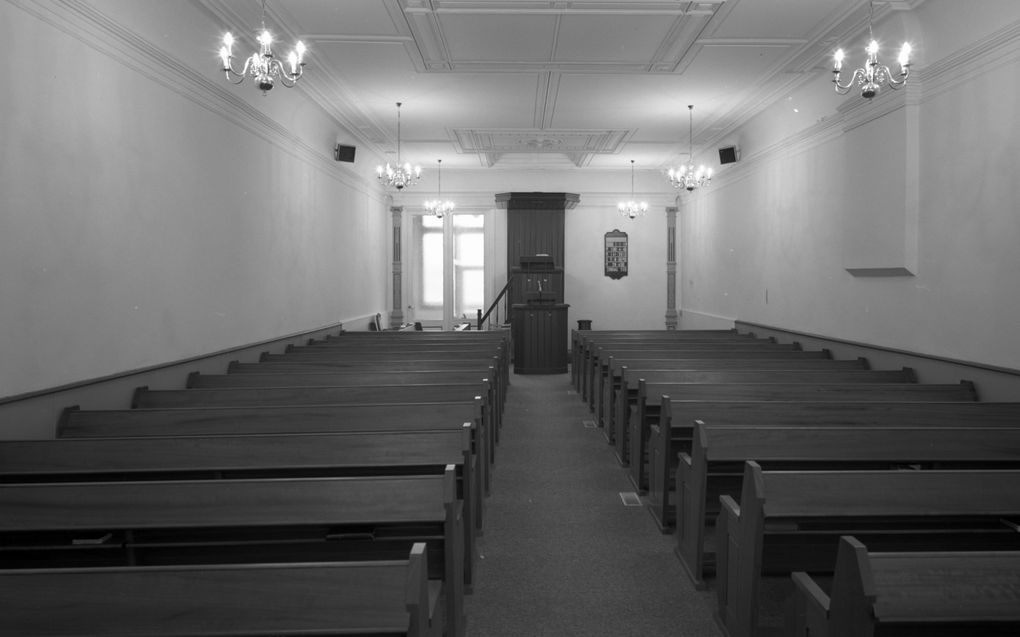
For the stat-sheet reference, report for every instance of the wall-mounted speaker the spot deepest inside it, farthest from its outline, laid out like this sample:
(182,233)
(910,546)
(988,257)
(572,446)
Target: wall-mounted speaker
(343,153)
(728,155)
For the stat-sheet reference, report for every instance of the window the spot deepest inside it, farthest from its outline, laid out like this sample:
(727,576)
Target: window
(449,281)
(468,264)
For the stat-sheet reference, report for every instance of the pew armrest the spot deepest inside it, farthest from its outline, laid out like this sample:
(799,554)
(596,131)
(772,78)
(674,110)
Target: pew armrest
(809,608)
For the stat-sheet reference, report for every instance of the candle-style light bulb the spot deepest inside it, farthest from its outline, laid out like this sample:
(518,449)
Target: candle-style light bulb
(904,58)
(838,57)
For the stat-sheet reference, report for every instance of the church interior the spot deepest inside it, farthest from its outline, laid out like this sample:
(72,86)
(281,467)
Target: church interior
(262,261)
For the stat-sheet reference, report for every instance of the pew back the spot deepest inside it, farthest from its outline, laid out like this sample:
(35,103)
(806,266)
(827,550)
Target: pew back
(908,593)
(791,520)
(715,465)
(391,597)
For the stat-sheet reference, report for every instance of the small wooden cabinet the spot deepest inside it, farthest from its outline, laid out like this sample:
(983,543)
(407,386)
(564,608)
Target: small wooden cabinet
(540,338)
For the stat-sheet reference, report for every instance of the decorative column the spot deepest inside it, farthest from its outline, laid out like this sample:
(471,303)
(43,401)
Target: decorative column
(397,313)
(672,316)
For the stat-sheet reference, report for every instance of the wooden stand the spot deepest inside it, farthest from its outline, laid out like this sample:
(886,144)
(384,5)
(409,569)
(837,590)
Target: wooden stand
(540,338)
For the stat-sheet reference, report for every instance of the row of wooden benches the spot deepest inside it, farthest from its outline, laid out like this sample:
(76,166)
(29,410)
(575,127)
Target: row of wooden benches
(320,469)
(811,454)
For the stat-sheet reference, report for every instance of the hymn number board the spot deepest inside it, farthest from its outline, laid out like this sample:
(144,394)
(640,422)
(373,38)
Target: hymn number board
(616,254)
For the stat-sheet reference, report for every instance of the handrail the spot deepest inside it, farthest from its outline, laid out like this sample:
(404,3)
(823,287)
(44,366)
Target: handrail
(482,317)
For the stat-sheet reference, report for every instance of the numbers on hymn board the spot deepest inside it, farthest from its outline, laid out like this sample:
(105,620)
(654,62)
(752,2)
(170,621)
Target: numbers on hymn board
(616,254)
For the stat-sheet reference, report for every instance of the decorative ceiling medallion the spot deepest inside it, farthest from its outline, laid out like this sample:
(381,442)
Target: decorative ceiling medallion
(577,146)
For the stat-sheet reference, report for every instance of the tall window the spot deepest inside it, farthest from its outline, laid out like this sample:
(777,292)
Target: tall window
(449,280)
(432,262)
(468,264)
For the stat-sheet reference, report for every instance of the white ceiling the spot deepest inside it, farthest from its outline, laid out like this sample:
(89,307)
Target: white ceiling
(552,83)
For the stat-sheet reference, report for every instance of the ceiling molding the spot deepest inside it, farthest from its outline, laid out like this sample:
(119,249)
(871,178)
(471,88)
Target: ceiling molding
(579,146)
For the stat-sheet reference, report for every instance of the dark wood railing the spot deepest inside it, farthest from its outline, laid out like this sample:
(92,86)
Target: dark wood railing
(494,306)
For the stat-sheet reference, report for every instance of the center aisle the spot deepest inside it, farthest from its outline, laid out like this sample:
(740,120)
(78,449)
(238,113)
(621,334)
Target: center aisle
(561,555)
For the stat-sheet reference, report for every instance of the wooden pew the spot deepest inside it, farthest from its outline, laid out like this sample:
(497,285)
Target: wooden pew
(212,421)
(611,387)
(911,593)
(791,521)
(145,398)
(715,465)
(579,340)
(391,597)
(306,378)
(398,359)
(627,397)
(651,397)
(319,378)
(155,523)
(278,455)
(661,445)
(599,359)
(362,364)
(773,368)
(600,353)
(372,351)
(584,342)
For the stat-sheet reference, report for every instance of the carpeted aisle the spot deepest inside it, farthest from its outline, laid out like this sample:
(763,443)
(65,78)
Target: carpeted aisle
(561,555)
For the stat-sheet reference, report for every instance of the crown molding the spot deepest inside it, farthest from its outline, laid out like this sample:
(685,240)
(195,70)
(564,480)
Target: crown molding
(998,49)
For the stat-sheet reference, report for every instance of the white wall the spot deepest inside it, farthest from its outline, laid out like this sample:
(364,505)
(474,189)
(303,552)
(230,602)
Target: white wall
(924,179)
(150,214)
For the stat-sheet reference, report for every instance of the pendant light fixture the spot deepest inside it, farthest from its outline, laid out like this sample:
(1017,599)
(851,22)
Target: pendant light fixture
(398,176)
(437,206)
(631,209)
(687,177)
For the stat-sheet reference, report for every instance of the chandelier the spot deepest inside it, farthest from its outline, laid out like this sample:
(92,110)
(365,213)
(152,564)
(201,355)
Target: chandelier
(437,206)
(398,176)
(873,75)
(263,68)
(687,177)
(631,209)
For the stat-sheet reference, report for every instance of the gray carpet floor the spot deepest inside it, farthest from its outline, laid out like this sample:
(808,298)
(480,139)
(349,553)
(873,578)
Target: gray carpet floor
(560,554)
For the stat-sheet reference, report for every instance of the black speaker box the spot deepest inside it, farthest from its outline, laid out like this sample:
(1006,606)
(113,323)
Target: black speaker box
(728,155)
(343,153)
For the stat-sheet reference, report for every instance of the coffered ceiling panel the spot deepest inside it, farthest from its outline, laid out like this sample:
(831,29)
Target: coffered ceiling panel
(552,83)
(601,39)
(778,18)
(500,40)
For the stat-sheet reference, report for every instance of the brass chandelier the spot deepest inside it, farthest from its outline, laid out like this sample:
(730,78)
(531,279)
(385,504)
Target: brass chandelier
(687,177)
(872,75)
(398,176)
(263,68)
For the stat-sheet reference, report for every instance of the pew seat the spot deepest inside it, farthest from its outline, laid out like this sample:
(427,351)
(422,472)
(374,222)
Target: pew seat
(231,457)
(295,419)
(390,597)
(159,523)
(792,520)
(714,466)
(610,390)
(652,396)
(911,593)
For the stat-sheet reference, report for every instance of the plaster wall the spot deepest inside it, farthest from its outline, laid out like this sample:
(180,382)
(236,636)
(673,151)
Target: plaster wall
(924,180)
(151,214)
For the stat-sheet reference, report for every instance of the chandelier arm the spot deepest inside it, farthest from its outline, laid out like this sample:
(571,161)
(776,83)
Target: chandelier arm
(843,89)
(893,82)
(230,72)
(287,78)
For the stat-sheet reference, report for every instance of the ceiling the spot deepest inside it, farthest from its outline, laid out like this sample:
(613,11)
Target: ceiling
(551,84)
